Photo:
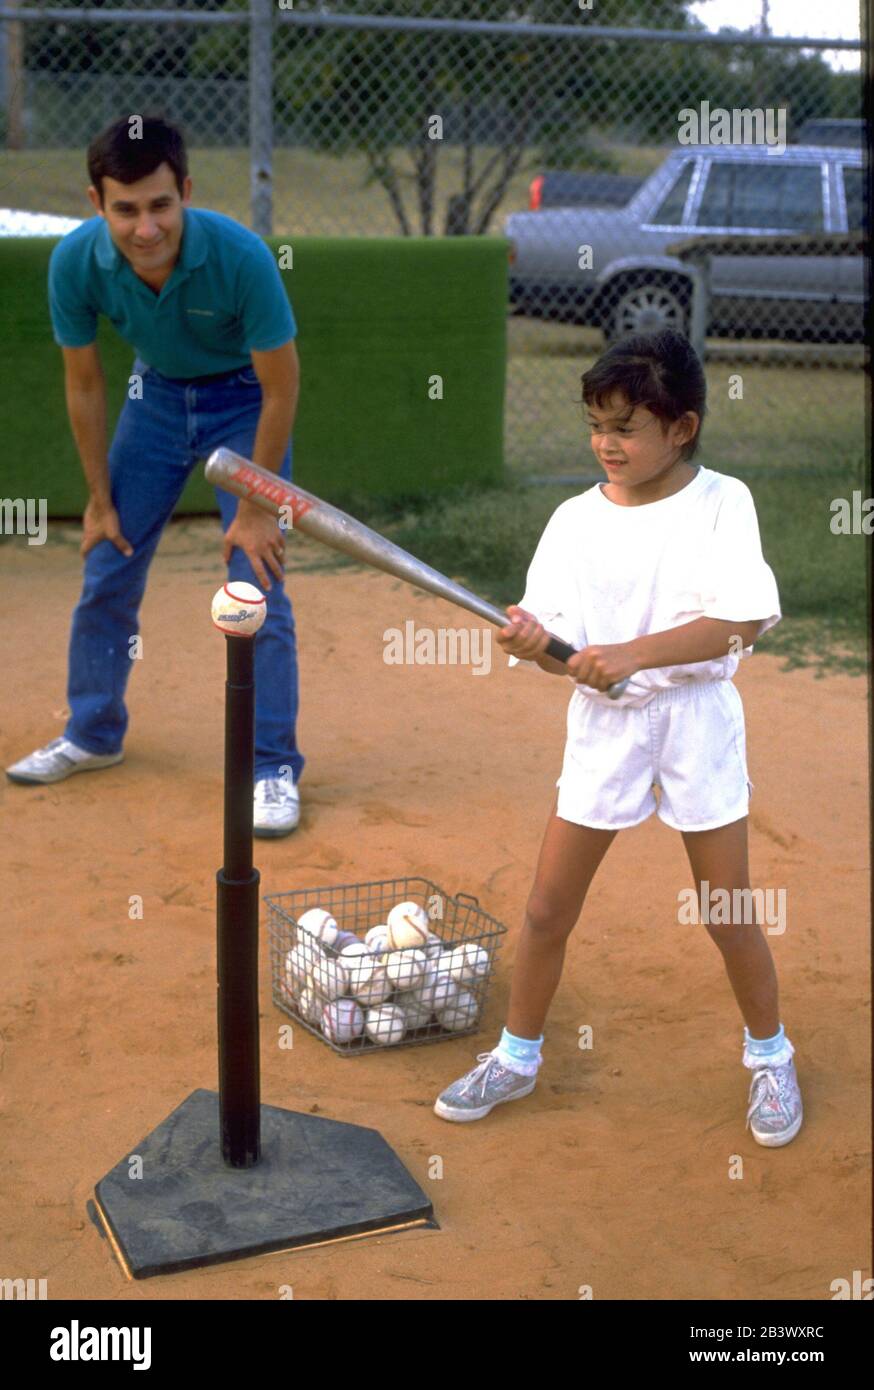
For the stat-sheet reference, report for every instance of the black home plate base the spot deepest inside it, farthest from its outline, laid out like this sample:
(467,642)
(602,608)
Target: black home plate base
(318,1180)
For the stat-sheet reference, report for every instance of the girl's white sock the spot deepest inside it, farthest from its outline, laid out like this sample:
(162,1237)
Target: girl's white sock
(519,1054)
(772,1052)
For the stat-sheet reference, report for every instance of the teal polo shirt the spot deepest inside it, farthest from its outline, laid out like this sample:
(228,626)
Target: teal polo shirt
(224,299)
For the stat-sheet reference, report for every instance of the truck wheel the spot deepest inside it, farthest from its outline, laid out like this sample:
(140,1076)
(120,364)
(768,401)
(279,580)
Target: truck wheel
(646,306)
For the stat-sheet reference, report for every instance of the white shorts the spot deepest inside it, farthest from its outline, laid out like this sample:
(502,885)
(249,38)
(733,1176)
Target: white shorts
(688,742)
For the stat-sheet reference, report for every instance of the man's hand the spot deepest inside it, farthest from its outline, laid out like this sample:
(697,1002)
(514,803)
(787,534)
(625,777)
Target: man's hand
(100,523)
(258,534)
(602,667)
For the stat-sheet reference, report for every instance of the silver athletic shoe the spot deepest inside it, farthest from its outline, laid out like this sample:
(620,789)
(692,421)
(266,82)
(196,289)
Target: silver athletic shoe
(775,1111)
(59,759)
(277,807)
(488,1085)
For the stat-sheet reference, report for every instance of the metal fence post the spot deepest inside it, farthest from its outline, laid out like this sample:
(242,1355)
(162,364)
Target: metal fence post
(699,266)
(12,68)
(261,114)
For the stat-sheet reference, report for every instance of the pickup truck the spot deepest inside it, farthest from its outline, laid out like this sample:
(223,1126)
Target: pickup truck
(630,282)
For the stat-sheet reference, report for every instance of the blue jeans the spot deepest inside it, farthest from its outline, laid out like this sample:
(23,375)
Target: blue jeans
(157,443)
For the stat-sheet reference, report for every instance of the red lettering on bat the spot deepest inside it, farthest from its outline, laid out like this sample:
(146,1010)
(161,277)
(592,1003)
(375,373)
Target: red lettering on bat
(280,492)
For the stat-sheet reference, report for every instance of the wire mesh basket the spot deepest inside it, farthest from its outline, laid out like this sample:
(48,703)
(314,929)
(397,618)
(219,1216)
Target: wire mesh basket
(339,968)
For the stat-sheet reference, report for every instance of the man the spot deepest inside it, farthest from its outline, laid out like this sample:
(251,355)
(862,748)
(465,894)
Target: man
(202,301)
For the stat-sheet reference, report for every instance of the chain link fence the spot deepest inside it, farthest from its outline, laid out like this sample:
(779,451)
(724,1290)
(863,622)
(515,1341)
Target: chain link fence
(616,143)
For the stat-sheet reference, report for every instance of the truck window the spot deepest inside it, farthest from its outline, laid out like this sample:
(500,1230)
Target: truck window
(856,219)
(765,195)
(670,210)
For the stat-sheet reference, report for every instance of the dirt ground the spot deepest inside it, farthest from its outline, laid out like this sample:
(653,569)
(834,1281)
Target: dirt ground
(615,1172)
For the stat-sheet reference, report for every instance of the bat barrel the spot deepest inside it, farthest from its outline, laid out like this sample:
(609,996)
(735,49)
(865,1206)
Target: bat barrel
(333,527)
(326,523)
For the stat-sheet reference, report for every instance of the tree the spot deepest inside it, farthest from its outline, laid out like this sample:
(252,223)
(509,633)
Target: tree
(508,102)
(130,48)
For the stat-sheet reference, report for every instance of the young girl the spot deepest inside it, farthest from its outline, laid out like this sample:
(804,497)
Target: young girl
(655,576)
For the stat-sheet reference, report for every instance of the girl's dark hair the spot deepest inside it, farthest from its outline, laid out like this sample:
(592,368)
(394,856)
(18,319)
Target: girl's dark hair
(661,371)
(119,153)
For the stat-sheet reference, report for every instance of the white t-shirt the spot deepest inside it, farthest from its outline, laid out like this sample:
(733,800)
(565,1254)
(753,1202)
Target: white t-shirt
(602,573)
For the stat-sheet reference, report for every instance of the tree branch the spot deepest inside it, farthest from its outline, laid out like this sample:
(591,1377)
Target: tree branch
(512,157)
(382,169)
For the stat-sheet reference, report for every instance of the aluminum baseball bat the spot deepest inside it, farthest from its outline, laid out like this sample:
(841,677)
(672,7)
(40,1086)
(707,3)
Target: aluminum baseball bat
(335,528)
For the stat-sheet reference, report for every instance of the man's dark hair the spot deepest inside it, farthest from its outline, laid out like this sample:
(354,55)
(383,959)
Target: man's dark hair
(116,154)
(660,371)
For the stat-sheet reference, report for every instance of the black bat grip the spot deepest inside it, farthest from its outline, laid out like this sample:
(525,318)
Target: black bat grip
(563,651)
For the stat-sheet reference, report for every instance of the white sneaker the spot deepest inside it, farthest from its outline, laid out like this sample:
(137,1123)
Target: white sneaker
(59,759)
(775,1110)
(277,807)
(471,1097)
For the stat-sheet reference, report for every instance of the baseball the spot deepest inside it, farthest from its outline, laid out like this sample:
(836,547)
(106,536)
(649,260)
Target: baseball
(358,963)
(386,1024)
(289,989)
(368,981)
(319,924)
(407,926)
(405,969)
(239,608)
(377,939)
(330,977)
(354,948)
(301,959)
(418,1015)
(435,946)
(459,1013)
(466,963)
(342,1020)
(344,939)
(437,990)
(309,1005)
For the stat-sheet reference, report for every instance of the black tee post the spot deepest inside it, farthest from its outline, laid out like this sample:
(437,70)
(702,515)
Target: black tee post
(237,917)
